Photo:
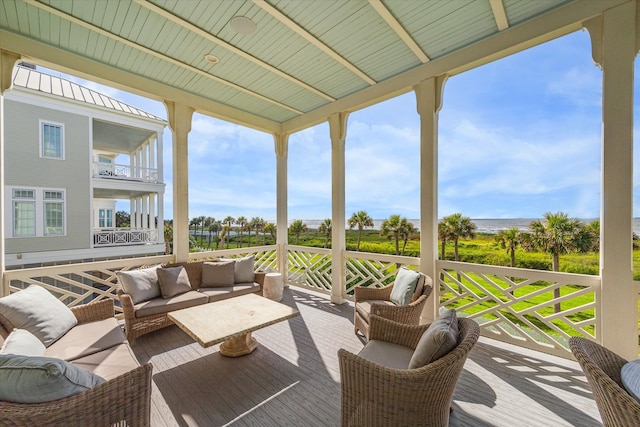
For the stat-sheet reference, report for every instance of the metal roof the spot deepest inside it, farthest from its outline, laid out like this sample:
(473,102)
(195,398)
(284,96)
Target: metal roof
(29,78)
(305,60)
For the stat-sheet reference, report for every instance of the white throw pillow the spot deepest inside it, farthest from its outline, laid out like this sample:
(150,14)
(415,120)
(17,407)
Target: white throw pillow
(141,285)
(404,286)
(39,312)
(24,343)
(630,375)
(29,379)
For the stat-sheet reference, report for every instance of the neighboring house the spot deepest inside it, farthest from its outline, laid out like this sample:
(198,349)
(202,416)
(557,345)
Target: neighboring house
(70,154)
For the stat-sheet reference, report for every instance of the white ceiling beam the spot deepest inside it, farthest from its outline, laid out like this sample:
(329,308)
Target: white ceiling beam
(208,36)
(499,14)
(399,30)
(152,52)
(313,40)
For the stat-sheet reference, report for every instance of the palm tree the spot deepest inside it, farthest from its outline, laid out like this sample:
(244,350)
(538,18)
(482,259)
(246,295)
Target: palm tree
(444,234)
(557,234)
(360,219)
(254,224)
(509,240)
(207,226)
(242,223)
(215,227)
(393,227)
(407,230)
(297,227)
(459,227)
(168,237)
(271,229)
(228,221)
(325,228)
(223,235)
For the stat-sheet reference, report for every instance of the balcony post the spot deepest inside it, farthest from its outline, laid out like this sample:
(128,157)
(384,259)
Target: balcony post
(180,124)
(281,142)
(338,132)
(614,50)
(429,102)
(7,62)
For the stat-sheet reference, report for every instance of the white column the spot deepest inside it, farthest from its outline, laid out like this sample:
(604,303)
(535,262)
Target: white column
(151,201)
(144,163)
(614,48)
(132,213)
(144,200)
(429,102)
(159,157)
(338,132)
(281,141)
(139,217)
(161,217)
(7,61)
(180,124)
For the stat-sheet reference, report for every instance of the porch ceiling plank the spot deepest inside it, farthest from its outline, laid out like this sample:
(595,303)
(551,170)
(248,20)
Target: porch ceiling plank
(499,14)
(313,40)
(207,36)
(398,29)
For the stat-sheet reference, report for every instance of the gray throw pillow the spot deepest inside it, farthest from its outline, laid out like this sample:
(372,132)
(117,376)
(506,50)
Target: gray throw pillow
(404,286)
(243,268)
(438,340)
(218,274)
(39,312)
(173,281)
(32,379)
(24,343)
(630,375)
(141,285)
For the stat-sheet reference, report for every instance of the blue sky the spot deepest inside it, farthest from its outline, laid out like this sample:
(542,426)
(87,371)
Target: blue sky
(517,138)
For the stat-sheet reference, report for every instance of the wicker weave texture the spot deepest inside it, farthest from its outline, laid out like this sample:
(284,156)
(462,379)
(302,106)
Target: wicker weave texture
(373,395)
(408,314)
(602,368)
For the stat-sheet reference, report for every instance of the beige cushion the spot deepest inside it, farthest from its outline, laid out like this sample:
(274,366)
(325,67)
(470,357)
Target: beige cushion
(87,338)
(24,343)
(216,274)
(39,312)
(387,354)
(243,271)
(162,305)
(438,340)
(404,286)
(220,293)
(109,363)
(140,285)
(173,281)
(34,379)
(364,307)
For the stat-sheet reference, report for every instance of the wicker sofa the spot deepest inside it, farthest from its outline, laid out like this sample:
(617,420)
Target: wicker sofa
(147,316)
(96,344)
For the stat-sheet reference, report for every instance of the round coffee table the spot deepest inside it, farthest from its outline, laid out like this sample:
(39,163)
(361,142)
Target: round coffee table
(273,286)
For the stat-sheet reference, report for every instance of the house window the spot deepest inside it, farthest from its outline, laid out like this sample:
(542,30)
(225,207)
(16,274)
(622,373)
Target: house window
(53,213)
(37,212)
(51,140)
(105,218)
(24,213)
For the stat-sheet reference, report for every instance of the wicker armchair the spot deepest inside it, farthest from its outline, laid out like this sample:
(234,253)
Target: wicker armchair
(124,400)
(374,395)
(602,368)
(377,301)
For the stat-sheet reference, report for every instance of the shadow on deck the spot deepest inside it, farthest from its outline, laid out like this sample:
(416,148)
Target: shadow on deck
(293,377)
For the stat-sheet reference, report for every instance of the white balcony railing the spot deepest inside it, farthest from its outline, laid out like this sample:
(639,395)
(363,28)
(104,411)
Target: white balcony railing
(124,237)
(124,172)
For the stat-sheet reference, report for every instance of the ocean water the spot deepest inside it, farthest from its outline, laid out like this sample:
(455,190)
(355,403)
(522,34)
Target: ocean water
(493,226)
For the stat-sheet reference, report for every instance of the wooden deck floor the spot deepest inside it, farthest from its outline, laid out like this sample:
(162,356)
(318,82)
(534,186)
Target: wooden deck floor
(293,378)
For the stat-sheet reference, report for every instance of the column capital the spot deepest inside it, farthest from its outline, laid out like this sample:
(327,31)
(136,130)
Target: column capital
(179,117)
(281,140)
(429,94)
(7,62)
(338,127)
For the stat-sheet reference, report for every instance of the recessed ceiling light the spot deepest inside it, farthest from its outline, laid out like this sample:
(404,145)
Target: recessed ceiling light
(242,25)
(211,58)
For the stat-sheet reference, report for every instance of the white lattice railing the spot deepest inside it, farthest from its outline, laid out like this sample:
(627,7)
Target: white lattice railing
(309,267)
(126,172)
(124,237)
(530,308)
(369,269)
(76,284)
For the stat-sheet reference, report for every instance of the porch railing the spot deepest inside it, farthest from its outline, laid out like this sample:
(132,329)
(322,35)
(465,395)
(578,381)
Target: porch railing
(124,237)
(76,284)
(125,172)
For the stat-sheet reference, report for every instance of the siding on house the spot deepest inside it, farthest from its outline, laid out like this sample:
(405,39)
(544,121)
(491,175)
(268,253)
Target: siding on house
(26,168)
